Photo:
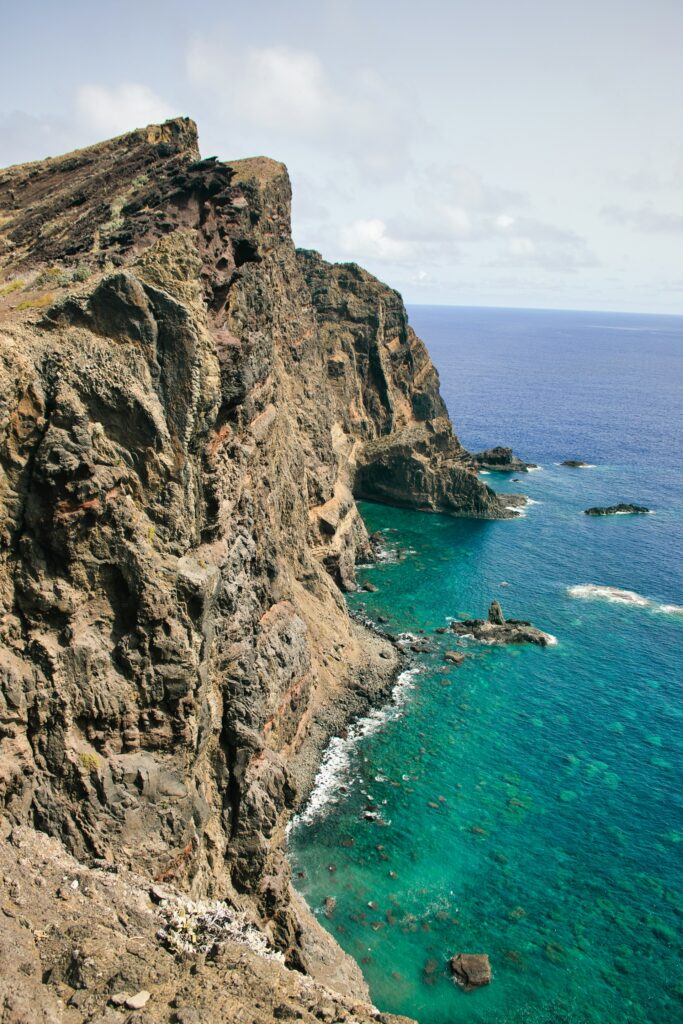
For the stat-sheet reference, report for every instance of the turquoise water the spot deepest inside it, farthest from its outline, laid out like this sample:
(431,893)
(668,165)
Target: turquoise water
(526,804)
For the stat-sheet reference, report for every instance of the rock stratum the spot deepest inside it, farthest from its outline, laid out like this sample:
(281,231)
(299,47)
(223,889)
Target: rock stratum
(189,408)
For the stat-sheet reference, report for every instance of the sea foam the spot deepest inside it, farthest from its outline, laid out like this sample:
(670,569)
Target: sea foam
(337,758)
(593,591)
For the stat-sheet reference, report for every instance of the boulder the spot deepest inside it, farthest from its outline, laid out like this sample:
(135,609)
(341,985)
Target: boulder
(471,970)
(455,657)
(574,463)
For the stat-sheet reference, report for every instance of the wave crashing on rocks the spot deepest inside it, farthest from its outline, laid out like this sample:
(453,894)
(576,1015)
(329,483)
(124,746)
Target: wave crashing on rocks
(336,761)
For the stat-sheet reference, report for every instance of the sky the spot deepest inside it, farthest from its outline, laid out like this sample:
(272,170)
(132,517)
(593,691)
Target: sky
(469,152)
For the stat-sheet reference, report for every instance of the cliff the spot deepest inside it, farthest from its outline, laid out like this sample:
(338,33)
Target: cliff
(188,408)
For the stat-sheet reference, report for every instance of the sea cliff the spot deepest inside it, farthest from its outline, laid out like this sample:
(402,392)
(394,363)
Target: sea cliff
(189,407)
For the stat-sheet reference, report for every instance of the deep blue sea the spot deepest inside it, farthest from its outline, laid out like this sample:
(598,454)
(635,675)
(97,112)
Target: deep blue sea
(529,803)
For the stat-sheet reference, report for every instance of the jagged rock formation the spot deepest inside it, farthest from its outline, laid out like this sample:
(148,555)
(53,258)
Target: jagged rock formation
(622,509)
(496,629)
(188,407)
(501,460)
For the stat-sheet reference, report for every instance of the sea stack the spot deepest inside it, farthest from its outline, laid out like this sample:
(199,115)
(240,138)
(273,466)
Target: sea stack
(496,629)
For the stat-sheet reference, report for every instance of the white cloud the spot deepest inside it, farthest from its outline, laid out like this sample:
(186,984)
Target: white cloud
(275,87)
(280,97)
(645,219)
(25,137)
(521,247)
(122,108)
(368,239)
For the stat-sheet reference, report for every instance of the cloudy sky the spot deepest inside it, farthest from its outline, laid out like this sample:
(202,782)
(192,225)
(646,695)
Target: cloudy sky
(469,152)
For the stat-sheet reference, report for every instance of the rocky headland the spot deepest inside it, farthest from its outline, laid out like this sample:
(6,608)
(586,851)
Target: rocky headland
(189,408)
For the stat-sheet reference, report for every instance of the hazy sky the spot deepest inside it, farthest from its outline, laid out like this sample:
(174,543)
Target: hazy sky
(473,152)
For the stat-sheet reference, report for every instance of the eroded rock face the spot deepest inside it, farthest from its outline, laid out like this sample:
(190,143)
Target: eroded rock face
(188,408)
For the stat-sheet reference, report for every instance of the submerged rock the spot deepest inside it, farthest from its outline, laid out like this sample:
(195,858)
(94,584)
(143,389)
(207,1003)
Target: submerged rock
(496,629)
(455,657)
(622,509)
(471,970)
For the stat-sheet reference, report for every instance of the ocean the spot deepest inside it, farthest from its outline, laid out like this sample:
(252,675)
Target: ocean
(527,804)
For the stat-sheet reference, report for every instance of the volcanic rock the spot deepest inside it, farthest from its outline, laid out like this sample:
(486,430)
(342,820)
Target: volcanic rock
(471,970)
(616,510)
(189,409)
(496,629)
(501,460)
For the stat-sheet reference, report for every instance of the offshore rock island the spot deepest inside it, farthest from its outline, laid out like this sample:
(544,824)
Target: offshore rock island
(189,408)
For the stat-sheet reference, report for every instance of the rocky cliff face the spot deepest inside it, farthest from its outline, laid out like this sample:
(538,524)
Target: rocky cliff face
(188,407)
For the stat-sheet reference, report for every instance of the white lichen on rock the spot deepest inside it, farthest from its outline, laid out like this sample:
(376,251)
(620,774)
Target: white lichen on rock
(201,927)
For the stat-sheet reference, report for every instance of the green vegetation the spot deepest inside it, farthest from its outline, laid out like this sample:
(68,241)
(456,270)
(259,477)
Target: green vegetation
(89,762)
(13,286)
(82,272)
(38,303)
(46,277)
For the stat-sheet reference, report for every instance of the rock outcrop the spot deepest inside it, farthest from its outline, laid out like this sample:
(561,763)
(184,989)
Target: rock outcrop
(501,460)
(471,970)
(622,509)
(496,629)
(188,409)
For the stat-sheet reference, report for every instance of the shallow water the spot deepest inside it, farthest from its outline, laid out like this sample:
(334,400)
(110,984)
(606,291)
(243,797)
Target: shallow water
(528,803)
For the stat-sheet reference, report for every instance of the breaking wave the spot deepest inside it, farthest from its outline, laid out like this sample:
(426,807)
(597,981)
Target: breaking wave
(593,591)
(337,758)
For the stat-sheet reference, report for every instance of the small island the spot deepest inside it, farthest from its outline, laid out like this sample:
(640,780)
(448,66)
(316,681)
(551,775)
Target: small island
(496,629)
(616,510)
(501,460)
(575,463)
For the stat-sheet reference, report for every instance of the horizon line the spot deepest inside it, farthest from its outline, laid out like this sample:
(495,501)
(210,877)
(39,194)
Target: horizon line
(537,309)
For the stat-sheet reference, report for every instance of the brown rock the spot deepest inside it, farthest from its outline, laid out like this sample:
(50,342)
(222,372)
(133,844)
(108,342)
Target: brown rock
(178,516)
(495,616)
(139,1000)
(471,970)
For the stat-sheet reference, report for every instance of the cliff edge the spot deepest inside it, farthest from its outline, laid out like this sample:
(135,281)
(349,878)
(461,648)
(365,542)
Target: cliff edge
(188,409)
